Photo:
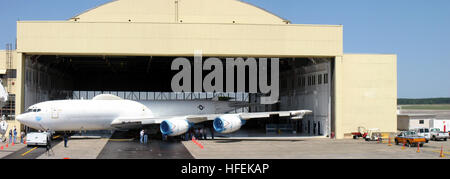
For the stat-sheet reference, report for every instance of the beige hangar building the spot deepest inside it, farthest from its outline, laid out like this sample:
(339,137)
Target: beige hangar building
(128,45)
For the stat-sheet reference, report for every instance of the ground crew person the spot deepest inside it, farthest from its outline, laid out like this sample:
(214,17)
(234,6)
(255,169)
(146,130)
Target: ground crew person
(145,136)
(22,135)
(10,136)
(66,138)
(212,133)
(15,134)
(142,136)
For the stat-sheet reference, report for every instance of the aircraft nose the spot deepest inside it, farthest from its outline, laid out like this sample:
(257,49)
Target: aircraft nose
(24,119)
(20,118)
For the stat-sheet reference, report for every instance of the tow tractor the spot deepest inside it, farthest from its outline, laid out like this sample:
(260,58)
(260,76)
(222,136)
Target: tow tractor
(362,132)
(373,135)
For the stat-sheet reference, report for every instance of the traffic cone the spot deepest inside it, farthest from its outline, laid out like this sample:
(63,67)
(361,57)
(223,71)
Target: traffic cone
(418,147)
(442,152)
(1,147)
(7,145)
(12,144)
(389,143)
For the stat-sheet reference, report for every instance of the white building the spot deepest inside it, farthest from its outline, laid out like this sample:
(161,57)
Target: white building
(411,121)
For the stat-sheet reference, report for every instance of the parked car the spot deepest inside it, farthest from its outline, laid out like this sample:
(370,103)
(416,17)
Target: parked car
(423,132)
(437,134)
(409,138)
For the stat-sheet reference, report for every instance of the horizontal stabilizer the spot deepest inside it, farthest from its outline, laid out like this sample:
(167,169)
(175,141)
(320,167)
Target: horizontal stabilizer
(106,97)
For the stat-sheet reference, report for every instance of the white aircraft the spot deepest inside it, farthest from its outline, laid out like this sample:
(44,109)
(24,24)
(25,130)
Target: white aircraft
(3,94)
(3,100)
(106,112)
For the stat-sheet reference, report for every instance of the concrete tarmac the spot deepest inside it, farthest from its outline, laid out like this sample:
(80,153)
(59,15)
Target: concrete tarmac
(120,146)
(311,149)
(76,149)
(10,149)
(30,152)
(131,148)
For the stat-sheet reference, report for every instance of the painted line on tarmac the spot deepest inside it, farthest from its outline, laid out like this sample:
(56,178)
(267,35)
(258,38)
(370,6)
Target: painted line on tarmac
(438,151)
(121,140)
(29,151)
(435,151)
(195,141)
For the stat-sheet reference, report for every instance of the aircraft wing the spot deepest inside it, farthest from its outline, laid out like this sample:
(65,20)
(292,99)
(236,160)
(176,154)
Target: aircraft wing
(136,122)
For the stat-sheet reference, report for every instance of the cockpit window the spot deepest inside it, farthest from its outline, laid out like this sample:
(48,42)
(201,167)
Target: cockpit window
(32,110)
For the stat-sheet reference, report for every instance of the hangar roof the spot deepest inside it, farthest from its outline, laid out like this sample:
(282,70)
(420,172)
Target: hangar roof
(183,11)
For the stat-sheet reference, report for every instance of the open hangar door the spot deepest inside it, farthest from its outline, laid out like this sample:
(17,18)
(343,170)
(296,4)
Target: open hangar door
(305,83)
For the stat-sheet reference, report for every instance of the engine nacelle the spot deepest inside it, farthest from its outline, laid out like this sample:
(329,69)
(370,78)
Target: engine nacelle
(228,123)
(175,126)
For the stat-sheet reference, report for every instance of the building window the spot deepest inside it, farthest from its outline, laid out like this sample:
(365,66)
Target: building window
(319,79)
(304,81)
(309,80)
(11,73)
(325,78)
(421,122)
(314,80)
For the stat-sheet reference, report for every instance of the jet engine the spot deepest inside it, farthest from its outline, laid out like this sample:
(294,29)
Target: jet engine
(228,123)
(174,127)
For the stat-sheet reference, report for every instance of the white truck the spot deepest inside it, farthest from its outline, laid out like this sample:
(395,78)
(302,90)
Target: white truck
(437,134)
(38,138)
(442,124)
(423,132)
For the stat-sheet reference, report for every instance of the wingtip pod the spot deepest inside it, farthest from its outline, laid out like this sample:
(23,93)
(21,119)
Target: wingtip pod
(299,114)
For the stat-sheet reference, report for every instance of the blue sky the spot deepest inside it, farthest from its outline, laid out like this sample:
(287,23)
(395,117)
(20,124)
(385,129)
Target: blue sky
(418,31)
